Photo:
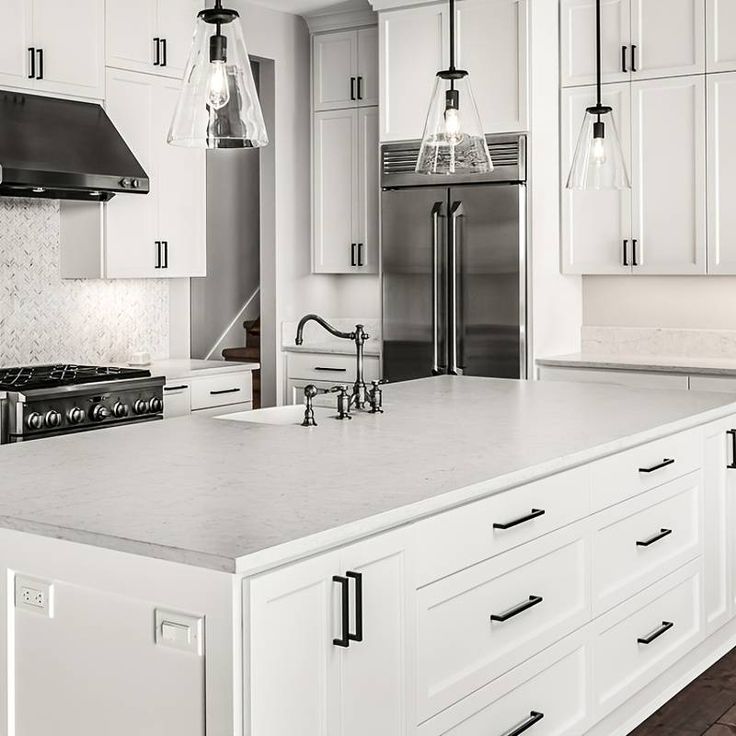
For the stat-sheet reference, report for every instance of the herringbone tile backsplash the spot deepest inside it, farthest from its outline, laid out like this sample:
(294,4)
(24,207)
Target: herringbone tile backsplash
(46,319)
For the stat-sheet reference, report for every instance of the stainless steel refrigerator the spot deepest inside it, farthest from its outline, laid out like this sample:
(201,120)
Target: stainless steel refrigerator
(454,266)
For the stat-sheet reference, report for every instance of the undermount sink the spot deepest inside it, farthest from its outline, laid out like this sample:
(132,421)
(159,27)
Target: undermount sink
(279,415)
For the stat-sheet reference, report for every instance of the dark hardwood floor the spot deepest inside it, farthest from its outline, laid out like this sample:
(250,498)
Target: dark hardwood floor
(706,707)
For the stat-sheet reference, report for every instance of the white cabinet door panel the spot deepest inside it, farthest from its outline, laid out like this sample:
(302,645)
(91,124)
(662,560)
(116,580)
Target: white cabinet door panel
(335,59)
(668,175)
(130,33)
(595,224)
(15,40)
(176,21)
(721,173)
(669,36)
(368,66)
(577,34)
(720,36)
(491,40)
(368,190)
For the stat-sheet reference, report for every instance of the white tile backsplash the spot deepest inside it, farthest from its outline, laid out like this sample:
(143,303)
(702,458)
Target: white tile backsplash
(44,318)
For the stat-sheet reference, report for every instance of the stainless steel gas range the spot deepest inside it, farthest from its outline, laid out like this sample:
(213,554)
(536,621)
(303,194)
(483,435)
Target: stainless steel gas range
(52,400)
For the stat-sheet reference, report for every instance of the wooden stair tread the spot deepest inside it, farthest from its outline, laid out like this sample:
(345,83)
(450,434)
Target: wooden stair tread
(243,355)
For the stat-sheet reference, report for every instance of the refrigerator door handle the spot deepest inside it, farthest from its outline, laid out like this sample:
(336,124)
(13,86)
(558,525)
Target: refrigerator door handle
(456,213)
(436,214)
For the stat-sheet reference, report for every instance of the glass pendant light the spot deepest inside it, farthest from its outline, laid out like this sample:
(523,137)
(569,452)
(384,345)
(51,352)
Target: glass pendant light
(218,106)
(598,162)
(453,140)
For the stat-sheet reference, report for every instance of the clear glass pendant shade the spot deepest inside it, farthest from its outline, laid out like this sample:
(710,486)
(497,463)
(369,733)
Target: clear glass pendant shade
(598,162)
(453,140)
(218,106)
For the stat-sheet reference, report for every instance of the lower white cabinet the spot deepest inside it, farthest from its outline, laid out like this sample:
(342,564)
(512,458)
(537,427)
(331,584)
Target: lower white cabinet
(218,393)
(328,652)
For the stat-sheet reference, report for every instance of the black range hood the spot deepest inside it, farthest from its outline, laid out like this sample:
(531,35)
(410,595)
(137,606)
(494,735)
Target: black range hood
(60,149)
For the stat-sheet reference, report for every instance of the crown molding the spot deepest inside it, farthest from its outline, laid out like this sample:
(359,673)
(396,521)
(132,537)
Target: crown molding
(379,5)
(352,14)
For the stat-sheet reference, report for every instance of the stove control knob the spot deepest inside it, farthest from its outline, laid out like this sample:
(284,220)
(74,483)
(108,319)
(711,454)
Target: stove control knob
(34,421)
(140,406)
(99,412)
(52,419)
(120,410)
(75,415)
(156,405)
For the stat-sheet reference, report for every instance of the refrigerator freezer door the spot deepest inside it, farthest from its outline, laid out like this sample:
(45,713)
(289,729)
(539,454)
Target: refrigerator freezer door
(488,322)
(414,251)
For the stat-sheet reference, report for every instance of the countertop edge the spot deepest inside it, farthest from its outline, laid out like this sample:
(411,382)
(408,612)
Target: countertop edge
(612,364)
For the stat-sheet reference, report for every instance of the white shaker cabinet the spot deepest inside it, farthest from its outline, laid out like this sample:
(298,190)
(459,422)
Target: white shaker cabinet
(668,175)
(15,43)
(720,36)
(152,36)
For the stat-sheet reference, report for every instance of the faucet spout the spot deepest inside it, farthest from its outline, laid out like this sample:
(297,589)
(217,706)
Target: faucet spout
(323,323)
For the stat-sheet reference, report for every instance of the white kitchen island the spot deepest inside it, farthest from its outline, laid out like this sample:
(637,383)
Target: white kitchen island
(485,555)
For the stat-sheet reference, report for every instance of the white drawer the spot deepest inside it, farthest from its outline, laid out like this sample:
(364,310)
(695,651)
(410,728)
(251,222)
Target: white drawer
(629,473)
(221,389)
(641,541)
(337,368)
(452,541)
(177,399)
(476,625)
(549,695)
(622,660)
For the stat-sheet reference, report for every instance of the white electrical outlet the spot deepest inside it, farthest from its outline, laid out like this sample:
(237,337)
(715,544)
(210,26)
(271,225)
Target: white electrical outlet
(32,594)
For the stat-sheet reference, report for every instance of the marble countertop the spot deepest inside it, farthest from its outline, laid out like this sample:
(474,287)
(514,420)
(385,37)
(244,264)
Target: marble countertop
(188,368)
(225,498)
(660,364)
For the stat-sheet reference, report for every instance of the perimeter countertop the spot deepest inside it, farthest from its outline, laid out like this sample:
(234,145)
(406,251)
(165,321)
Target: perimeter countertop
(185,368)
(371,348)
(239,497)
(658,364)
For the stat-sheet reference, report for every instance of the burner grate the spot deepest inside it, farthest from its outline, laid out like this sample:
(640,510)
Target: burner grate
(63,374)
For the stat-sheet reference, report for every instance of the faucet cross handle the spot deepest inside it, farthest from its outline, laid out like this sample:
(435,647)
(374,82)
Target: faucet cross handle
(376,396)
(343,402)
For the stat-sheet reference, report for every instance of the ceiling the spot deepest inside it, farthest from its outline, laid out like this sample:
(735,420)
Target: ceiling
(305,7)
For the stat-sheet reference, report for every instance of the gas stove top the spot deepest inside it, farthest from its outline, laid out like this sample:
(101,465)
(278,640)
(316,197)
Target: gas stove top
(51,400)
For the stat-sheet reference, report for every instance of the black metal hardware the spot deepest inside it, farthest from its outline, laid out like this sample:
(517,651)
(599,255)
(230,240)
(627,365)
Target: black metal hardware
(732,464)
(157,52)
(32,65)
(626,252)
(176,388)
(158,254)
(665,627)
(330,370)
(164,52)
(352,254)
(634,261)
(534,717)
(534,600)
(624,68)
(165,248)
(39,54)
(667,461)
(360,88)
(661,535)
(535,514)
(360,255)
(344,640)
(225,391)
(633,59)
(352,88)
(343,402)
(358,578)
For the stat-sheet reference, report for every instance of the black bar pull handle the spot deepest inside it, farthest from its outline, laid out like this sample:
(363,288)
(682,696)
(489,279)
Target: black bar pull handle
(624,67)
(330,370)
(732,464)
(39,53)
(360,88)
(666,462)
(534,600)
(352,254)
(225,391)
(634,260)
(664,628)
(534,514)
(660,535)
(176,388)
(633,59)
(32,64)
(157,51)
(164,52)
(626,252)
(526,724)
(165,247)
(344,640)
(352,88)
(360,255)
(358,579)
(158,254)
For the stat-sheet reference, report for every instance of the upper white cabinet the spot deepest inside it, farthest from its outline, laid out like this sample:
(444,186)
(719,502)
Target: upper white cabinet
(641,39)
(153,36)
(345,69)
(45,47)
(720,35)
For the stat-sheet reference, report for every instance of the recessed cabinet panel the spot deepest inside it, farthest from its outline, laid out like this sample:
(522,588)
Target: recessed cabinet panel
(668,175)
(368,190)
(491,40)
(368,66)
(596,225)
(669,36)
(131,28)
(15,39)
(176,21)
(577,31)
(720,35)
(335,70)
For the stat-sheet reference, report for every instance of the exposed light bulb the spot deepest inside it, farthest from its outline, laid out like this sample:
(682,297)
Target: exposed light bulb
(218,90)
(453,126)
(598,151)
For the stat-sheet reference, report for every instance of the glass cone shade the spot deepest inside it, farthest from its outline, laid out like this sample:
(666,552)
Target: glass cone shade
(218,106)
(453,140)
(599,161)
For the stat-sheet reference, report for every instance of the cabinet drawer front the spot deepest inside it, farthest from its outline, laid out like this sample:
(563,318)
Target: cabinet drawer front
(554,701)
(535,594)
(452,541)
(177,399)
(326,367)
(629,473)
(646,539)
(671,623)
(221,390)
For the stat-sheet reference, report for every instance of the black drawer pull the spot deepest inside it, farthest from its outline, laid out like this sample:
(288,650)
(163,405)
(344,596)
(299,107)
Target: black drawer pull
(732,464)
(633,59)
(659,466)
(535,514)
(344,640)
(330,370)
(157,52)
(661,535)
(624,68)
(534,717)
(176,388)
(39,54)
(664,628)
(225,391)
(534,600)
(358,578)
(32,65)
(352,88)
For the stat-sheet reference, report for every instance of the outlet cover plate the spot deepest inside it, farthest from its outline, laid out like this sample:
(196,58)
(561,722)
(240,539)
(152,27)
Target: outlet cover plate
(179,631)
(34,595)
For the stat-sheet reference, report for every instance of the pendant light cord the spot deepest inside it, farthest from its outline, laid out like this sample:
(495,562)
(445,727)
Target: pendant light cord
(598,50)
(452,35)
